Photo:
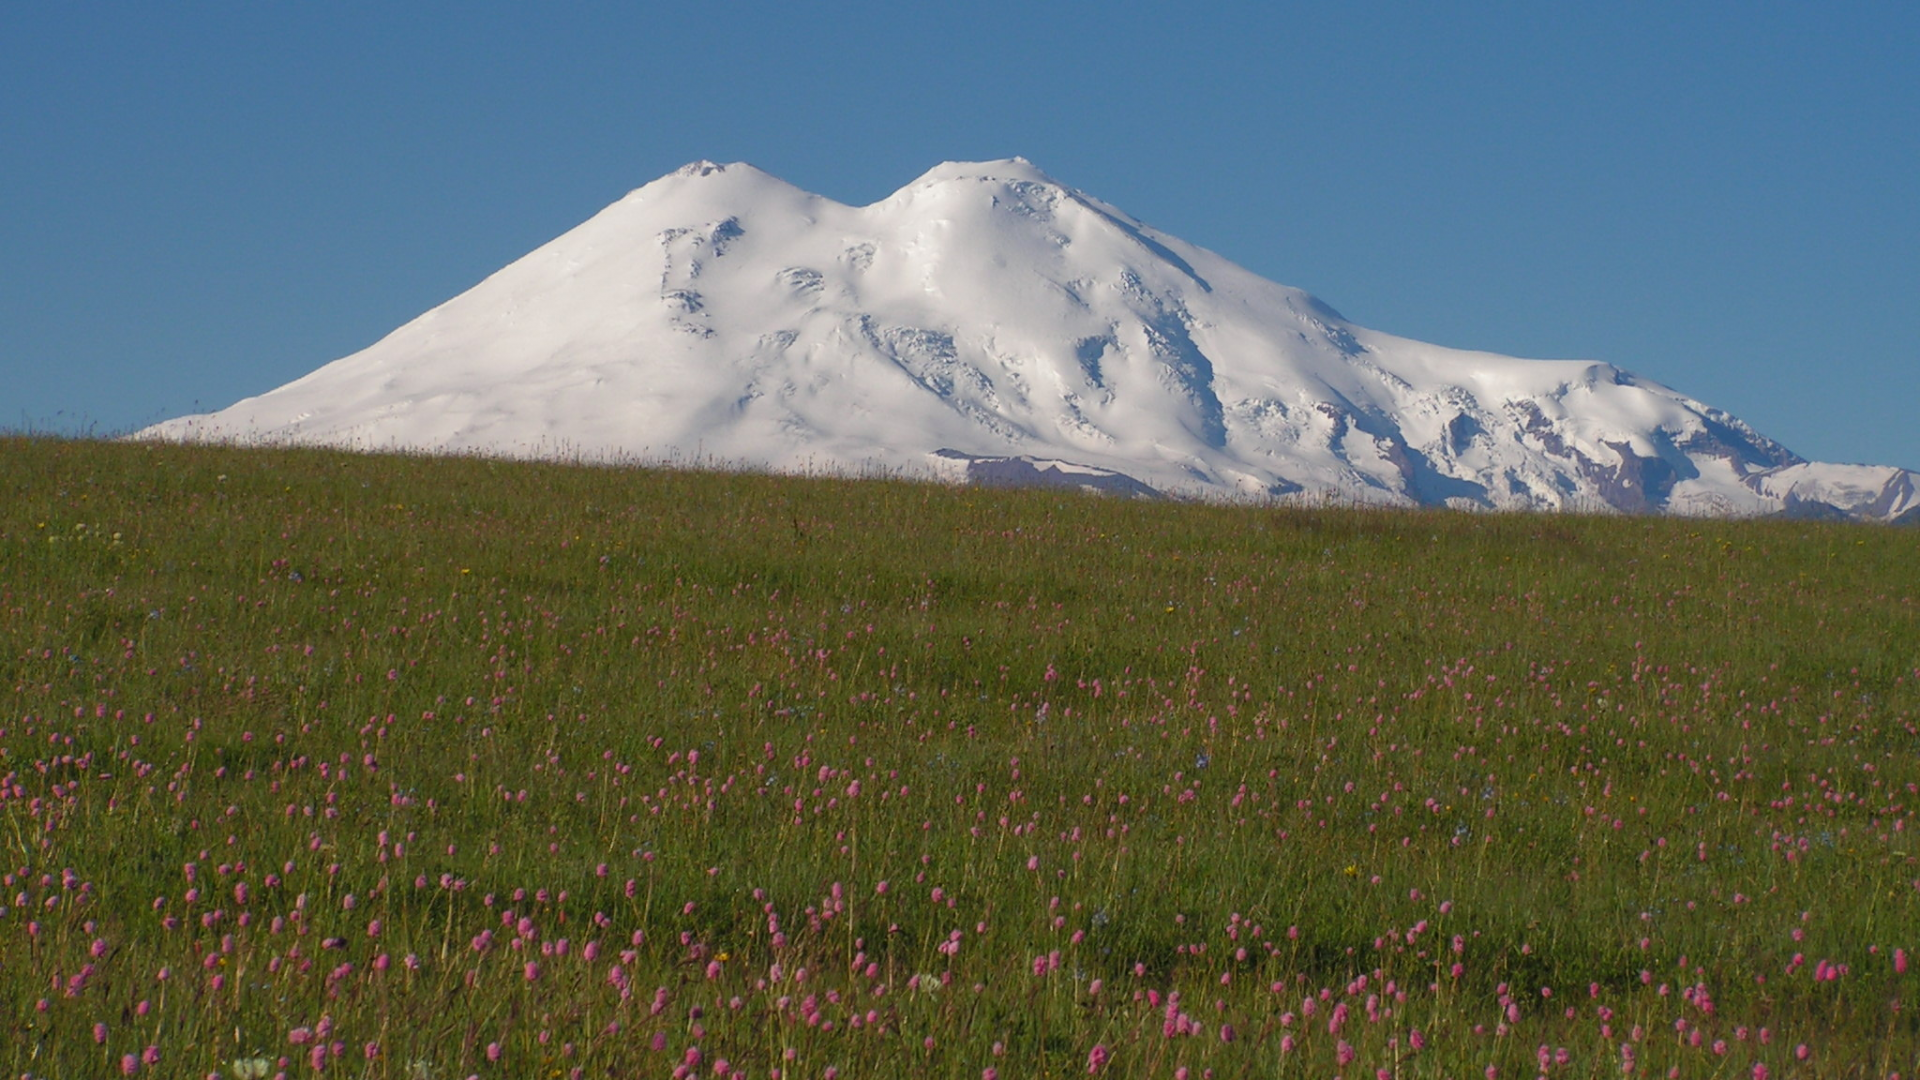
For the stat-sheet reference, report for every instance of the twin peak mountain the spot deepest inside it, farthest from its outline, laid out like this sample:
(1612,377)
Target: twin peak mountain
(987,324)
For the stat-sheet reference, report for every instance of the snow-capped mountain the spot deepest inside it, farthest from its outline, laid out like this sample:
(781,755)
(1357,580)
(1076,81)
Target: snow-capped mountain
(985,323)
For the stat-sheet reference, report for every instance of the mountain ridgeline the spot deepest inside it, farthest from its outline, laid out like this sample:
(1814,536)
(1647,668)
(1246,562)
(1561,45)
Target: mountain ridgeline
(986,324)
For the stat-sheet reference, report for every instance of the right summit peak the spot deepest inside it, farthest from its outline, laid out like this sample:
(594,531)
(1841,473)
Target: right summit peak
(1003,169)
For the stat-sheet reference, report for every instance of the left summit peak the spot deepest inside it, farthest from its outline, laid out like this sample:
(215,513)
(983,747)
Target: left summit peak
(731,170)
(710,180)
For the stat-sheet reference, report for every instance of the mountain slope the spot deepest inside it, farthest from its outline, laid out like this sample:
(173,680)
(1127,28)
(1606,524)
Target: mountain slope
(987,323)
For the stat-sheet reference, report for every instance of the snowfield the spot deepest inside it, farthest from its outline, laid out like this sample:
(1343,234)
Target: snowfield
(987,324)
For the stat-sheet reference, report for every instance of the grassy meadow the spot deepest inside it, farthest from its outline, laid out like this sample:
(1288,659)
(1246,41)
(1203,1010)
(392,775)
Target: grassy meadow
(315,763)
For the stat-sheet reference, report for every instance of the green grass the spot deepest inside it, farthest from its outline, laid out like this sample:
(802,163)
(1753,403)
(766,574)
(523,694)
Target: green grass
(1619,758)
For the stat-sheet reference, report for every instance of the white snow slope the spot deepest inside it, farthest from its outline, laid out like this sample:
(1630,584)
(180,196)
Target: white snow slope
(985,323)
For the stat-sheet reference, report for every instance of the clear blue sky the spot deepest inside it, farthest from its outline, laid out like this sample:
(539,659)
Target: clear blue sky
(201,201)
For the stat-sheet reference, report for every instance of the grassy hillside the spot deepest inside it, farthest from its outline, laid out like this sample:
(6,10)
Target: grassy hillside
(403,767)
